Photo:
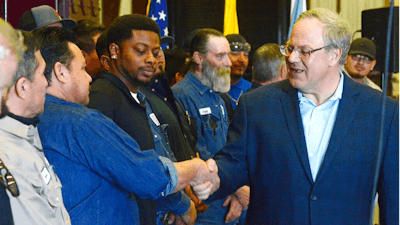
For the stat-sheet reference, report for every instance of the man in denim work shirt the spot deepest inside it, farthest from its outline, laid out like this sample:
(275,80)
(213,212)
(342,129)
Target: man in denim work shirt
(100,165)
(209,73)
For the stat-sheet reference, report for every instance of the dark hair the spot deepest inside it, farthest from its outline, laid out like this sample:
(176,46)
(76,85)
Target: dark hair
(121,28)
(200,40)
(85,31)
(174,61)
(101,45)
(28,64)
(54,47)
(267,61)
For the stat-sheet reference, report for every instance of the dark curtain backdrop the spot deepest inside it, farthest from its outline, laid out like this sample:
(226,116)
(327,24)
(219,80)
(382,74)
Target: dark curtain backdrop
(260,22)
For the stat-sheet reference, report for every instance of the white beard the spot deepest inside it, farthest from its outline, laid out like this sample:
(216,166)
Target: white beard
(219,80)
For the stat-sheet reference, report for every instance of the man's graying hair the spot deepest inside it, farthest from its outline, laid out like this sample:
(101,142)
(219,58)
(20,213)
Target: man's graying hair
(267,61)
(28,63)
(336,30)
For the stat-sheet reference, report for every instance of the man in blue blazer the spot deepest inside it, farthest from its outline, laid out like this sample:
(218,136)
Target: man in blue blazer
(308,146)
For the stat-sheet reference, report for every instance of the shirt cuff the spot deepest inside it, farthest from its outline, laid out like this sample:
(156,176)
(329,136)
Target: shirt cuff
(170,167)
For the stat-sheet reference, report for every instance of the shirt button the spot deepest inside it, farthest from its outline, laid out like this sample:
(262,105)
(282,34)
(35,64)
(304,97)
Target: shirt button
(311,155)
(162,193)
(313,198)
(165,99)
(185,135)
(155,136)
(216,106)
(156,80)
(57,199)
(152,89)
(210,91)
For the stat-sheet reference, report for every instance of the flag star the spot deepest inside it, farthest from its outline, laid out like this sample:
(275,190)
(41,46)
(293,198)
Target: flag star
(153,18)
(166,31)
(162,15)
(159,1)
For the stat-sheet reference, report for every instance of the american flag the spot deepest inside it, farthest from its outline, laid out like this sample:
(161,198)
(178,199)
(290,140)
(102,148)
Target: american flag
(157,10)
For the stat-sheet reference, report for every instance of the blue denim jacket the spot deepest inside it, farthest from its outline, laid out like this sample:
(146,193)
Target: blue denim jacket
(179,202)
(99,165)
(209,110)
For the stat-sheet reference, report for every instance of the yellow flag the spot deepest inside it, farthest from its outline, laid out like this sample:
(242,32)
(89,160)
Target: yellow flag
(230,18)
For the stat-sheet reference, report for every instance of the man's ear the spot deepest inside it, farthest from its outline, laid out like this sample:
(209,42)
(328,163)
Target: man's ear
(335,55)
(61,73)
(198,58)
(22,87)
(114,50)
(105,62)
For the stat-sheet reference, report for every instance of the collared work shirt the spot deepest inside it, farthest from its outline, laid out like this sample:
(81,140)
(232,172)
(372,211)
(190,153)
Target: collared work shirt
(318,122)
(208,109)
(40,200)
(100,165)
(237,90)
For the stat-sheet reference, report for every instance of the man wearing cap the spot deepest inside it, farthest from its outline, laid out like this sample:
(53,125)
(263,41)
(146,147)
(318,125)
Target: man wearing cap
(239,57)
(361,61)
(43,16)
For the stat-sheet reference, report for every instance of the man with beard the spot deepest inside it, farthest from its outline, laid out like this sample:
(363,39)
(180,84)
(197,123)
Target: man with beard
(208,75)
(11,49)
(361,61)
(134,45)
(239,57)
(38,198)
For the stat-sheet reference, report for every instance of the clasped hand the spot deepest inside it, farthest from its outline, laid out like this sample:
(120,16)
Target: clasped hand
(207,180)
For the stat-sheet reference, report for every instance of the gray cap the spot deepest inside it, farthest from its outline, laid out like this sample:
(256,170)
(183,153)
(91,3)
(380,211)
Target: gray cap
(363,46)
(41,16)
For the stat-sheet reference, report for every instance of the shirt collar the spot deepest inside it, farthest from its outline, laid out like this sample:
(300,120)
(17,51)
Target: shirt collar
(201,88)
(337,95)
(18,128)
(240,84)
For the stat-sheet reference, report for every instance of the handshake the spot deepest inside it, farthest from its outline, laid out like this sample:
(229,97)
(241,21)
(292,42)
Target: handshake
(201,176)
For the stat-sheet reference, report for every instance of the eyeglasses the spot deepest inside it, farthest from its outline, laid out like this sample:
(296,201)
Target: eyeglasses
(8,181)
(366,59)
(240,47)
(287,50)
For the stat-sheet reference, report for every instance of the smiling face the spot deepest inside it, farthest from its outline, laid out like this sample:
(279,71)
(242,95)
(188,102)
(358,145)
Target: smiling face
(240,61)
(310,74)
(358,68)
(138,57)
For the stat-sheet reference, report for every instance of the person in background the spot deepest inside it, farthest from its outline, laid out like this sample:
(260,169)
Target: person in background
(208,75)
(269,66)
(43,16)
(175,60)
(88,32)
(361,61)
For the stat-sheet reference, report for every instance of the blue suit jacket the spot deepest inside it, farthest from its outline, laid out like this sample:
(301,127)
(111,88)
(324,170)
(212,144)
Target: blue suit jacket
(267,150)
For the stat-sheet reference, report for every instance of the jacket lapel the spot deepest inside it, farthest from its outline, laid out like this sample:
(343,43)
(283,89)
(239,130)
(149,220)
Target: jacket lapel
(290,104)
(346,112)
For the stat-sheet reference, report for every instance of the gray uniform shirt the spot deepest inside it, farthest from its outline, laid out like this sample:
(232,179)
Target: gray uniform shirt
(40,200)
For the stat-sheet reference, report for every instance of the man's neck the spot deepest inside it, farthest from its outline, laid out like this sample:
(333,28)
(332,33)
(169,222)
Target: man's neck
(325,90)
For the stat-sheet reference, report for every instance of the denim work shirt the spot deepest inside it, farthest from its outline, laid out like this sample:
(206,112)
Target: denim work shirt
(178,202)
(100,165)
(208,109)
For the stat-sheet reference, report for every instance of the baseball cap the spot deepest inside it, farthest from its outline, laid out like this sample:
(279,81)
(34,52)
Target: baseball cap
(41,16)
(363,46)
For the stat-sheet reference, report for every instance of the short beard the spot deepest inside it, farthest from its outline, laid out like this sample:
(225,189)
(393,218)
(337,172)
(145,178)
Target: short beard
(219,80)
(133,80)
(356,76)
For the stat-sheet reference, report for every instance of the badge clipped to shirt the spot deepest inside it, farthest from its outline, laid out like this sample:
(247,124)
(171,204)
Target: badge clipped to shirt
(154,119)
(46,175)
(205,111)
